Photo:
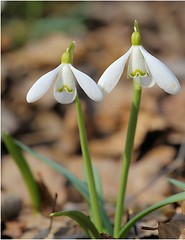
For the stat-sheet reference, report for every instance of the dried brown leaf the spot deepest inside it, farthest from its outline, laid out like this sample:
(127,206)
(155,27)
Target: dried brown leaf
(173,229)
(182,236)
(183,208)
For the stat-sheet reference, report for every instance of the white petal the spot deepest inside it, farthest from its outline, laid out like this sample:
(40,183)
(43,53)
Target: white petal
(65,89)
(136,64)
(65,97)
(161,73)
(112,74)
(65,79)
(146,82)
(88,85)
(41,86)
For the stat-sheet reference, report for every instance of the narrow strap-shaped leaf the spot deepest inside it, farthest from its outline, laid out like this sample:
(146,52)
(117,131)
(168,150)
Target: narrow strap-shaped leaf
(79,185)
(83,220)
(107,225)
(177,183)
(106,221)
(24,168)
(175,198)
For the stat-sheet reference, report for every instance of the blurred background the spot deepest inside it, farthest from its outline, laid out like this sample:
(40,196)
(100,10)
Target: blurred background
(33,37)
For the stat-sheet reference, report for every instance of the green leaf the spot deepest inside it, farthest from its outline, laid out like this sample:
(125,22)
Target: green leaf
(24,168)
(79,185)
(175,198)
(106,222)
(177,183)
(83,220)
(98,182)
(107,225)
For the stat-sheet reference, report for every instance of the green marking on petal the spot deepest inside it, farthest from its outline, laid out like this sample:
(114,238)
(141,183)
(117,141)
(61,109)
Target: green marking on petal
(65,88)
(138,72)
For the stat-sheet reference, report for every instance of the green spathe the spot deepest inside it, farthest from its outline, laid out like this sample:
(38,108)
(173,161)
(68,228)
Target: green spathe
(136,36)
(67,56)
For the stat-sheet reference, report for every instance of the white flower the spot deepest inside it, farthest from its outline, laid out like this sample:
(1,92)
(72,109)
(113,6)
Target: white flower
(142,66)
(65,76)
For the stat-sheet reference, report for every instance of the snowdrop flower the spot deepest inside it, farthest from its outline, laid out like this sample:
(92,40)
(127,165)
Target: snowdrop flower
(145,69)
(65,77)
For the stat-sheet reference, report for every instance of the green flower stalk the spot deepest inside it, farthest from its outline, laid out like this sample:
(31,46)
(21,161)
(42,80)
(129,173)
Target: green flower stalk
(95,208)
(127,157)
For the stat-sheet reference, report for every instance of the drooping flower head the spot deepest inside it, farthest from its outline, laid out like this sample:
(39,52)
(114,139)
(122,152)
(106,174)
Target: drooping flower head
(145,69)
(65,77)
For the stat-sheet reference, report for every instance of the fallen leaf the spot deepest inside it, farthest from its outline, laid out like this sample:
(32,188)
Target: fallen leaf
(182,235)
(143,181)
(183,208)
(172,229)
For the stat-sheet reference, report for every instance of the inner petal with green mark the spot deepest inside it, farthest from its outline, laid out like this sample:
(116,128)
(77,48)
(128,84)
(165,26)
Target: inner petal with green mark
(65,80)
(137,65)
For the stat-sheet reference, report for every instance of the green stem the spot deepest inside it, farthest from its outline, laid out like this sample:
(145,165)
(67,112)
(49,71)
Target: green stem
(127,157)
(88,167)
